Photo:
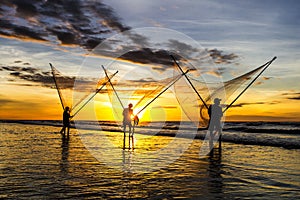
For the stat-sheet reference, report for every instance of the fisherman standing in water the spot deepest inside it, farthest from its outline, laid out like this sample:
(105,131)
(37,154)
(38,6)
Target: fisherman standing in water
(215,114)
(128,117)
(127,114)
(66,122)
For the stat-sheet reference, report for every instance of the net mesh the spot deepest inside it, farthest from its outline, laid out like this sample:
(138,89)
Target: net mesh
(64,86)
(227,91)
(140,95)
(86,89)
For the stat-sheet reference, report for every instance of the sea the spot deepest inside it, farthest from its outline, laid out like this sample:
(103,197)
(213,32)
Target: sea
(254,160)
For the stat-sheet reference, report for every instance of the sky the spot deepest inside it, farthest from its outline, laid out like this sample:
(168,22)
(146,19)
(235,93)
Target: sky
(77,36)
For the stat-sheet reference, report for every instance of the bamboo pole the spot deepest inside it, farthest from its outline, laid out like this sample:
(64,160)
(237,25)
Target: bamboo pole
(267,64)
(189,81)
(98,90)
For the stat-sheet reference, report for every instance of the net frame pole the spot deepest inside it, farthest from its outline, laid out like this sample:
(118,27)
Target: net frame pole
(162,92)
(189,81)
(267,64)
(112,86)
(55,82)
(98,90)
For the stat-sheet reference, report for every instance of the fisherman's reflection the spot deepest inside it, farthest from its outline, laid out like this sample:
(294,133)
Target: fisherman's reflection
(130,142)
(127,160)
(64,154)
(128,182)
(215,179)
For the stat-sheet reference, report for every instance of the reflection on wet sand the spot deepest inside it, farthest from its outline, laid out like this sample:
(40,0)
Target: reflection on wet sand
(64,164)
(130,142)
(38,164)
(215,179)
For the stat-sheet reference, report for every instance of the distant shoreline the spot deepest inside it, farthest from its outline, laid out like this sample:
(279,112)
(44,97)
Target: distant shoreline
(43,120)
(170,130)
(58,123)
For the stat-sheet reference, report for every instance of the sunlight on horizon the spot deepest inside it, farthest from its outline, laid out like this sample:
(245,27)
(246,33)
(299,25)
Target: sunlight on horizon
(44,103)
(262,102)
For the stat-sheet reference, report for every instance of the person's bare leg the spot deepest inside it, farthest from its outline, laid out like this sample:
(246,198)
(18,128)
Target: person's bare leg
(211,138)
(132,142)
(130,130)
(124,129)
(220,138)
(124,138)
(68,131)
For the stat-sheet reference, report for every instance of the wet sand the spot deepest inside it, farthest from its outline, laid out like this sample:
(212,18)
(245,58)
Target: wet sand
(38,163)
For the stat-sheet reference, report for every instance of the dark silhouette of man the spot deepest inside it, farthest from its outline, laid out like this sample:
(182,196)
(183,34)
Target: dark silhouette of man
(66,121)
(127,118)
(215,114)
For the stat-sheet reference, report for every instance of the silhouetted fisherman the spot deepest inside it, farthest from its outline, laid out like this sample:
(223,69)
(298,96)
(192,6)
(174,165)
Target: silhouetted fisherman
(215,114)
(127,118)
(66,121)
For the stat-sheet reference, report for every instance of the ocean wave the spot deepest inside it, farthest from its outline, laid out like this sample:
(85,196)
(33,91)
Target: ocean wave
(288,142)
(274,130)
(286,135)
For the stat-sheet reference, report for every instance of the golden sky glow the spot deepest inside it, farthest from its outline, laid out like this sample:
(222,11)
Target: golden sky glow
(36,103)
(22,99)
(30,43)
(27,100)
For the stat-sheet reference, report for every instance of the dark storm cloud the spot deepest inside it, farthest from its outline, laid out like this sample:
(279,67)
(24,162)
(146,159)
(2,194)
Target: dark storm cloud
(266,78)
(148,56)
(164,61)
(45,78)
(145,80)
(219,57)
(144,83)
(30,74)
(86,23)
(77,22)
(292,95)
(185,48)
(5,101)
(294,98)
(255,103)
(18,69)
(8,103)
(164,107)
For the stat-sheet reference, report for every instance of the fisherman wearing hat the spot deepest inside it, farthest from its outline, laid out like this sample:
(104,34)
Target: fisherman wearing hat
(66,121)
(215,114)
(127,118)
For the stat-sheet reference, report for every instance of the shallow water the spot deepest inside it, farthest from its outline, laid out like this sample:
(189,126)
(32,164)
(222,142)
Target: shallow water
(36,163)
